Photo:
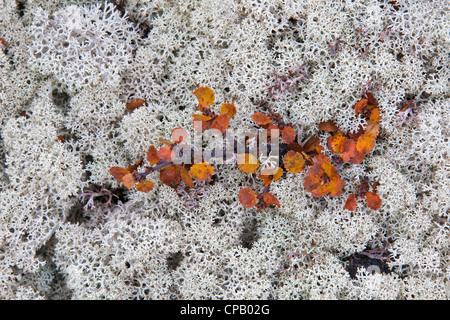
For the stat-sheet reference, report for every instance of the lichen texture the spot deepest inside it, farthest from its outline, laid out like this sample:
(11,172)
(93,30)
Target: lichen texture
(87,85)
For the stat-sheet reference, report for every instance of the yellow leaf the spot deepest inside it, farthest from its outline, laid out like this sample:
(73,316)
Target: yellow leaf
(229,109)
(336,142)
(373,200)
(322,178)
(201,171)
(365,143)
(294,162)
(205,96)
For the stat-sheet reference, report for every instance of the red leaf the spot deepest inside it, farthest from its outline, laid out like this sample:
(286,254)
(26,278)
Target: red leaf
(360,105)
(349,152)
(328,126)
(312,144)
(169,175)
(201,171)
(205,96)
(186,177)
(350,204)
(220,123)
(373,200)
(134,166)
(129,181)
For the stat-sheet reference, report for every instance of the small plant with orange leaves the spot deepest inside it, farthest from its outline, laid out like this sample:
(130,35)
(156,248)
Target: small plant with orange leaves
(180,167)
(174,158)
(353,147)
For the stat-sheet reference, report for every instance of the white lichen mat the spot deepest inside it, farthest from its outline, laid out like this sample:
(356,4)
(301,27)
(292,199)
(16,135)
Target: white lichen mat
(68,69)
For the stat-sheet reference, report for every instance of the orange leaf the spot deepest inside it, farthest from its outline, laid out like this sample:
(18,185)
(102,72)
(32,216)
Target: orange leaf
(365,143)
(375,186)
(295,146)
(272,127)
(294,162)
(229,109)
(322,178)
(360,105)
(247,197)
(169,175)
(145,186)
(373,128)
(165,153)
(179,135)
(201,126)
(129,180)
(288,134)
(118,173)
(273,176)
(336,142)
(201,171)
(247,163)
(373,200)
(220,123)
(371,100)
(205,96)
(3,42)
(201,122)
(201,117)
(270,199)
(261,119)
(134,104)
(350,204)
(375,115)
(328,126)
(186,177)
(152,155)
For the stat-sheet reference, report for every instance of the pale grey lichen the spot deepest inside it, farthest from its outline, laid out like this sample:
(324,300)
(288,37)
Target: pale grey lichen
(69,69)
